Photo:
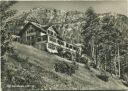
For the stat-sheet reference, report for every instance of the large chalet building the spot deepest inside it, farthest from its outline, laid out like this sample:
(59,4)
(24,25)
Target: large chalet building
(46,38)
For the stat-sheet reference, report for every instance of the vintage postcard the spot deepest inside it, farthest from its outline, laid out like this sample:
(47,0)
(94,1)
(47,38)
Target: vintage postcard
(64,45)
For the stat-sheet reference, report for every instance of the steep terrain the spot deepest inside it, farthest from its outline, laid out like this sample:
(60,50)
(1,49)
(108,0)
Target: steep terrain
(38,69)
(68,24)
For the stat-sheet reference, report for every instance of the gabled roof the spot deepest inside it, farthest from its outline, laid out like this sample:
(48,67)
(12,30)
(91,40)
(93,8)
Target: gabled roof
(45,26)
(42,28)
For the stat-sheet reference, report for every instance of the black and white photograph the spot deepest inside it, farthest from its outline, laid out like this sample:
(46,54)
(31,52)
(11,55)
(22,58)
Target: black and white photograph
(64,45)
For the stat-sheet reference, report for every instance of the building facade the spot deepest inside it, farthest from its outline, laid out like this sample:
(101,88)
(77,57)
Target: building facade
(45,38)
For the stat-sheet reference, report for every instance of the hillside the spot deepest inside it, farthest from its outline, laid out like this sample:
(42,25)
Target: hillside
(38,70)
(68,24)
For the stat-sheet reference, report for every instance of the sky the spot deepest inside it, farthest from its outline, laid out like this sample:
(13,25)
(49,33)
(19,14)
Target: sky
(100,6)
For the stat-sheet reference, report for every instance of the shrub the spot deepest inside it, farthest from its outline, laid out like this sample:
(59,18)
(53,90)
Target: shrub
(67,54)
(103,76)
(80,60)
(125,79)
(125,83)
(78,57)
(15,55)
(64,67)
(93,65)
(75,65)
(87,66)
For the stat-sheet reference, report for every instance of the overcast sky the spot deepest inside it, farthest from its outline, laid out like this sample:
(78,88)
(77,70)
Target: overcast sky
(99,6)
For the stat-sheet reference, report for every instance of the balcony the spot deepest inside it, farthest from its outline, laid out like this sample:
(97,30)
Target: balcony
(63,44)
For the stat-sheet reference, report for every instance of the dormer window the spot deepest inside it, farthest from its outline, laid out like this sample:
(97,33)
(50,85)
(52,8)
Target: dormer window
(50,32)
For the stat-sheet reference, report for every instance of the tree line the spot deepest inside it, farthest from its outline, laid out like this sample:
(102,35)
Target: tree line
(106,41)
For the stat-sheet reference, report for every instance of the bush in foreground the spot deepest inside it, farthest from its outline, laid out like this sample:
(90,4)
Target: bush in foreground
(64,67)
(103,76)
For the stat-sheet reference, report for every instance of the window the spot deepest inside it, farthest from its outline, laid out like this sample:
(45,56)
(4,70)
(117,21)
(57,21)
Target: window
(44,38)
(51,46)
(38,39)
(50,32)
(32,37)
(52,39)
(28,38)
(30,30)
(60,42)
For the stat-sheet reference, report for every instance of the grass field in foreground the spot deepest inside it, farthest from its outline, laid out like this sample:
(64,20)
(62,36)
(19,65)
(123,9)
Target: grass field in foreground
(43,70)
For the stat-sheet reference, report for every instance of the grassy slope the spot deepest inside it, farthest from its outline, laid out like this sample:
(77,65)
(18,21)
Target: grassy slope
(43,69)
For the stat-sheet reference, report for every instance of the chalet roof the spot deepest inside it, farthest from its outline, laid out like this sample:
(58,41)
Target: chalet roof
(45,26)
(42,28)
